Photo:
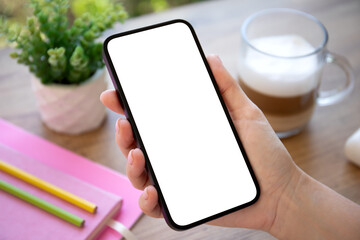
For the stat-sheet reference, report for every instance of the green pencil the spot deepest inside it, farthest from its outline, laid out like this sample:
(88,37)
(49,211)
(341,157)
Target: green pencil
(50,208)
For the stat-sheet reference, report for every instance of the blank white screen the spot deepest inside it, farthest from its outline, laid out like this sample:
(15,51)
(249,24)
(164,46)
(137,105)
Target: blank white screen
(192,149)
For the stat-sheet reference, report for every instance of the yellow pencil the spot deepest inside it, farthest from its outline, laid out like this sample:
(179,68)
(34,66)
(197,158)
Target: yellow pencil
(48,187)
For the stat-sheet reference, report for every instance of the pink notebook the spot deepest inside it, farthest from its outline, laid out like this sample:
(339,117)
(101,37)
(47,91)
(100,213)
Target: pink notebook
(79,167)
(20,220)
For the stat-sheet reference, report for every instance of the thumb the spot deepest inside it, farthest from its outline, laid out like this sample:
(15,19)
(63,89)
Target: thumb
(231,92)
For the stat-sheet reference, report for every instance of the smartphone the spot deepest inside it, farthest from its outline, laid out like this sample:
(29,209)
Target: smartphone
(193,154)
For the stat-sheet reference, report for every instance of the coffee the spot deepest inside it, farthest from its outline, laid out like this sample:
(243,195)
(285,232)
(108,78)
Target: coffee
(283,52)
(281,80)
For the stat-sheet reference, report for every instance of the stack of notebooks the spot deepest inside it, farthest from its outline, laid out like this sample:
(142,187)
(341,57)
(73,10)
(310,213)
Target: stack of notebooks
(111,192)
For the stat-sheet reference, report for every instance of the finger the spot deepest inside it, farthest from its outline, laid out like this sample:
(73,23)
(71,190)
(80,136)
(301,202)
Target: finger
(135,169)
(148,202)
(232,94)
(110,99)
(124,136)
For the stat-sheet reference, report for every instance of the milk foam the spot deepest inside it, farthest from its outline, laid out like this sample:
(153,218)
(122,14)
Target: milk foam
(280,76)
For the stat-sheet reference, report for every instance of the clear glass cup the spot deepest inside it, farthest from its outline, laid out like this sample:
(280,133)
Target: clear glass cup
(282,56)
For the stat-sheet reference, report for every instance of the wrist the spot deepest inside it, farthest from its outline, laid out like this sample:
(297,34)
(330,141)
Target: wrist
(289,204)
(308,209)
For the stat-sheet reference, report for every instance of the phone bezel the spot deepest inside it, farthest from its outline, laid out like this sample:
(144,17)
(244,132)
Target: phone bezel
(137,136)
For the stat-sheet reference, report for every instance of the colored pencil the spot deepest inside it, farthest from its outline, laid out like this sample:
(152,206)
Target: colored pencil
(48,187)
(48,207)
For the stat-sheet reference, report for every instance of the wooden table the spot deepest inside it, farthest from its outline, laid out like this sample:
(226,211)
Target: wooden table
(318,150)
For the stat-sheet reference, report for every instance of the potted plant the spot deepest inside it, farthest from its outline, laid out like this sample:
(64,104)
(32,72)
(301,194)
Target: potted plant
(66,62)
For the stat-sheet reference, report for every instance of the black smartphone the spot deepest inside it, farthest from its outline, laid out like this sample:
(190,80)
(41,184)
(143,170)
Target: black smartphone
(193,154)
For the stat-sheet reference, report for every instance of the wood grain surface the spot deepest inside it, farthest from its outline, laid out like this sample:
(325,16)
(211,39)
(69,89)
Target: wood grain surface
(318,150)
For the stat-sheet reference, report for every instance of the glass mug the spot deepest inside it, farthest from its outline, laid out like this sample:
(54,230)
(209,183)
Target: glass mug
(282,55)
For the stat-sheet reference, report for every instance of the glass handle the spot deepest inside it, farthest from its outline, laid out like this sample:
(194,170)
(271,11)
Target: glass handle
(336,95)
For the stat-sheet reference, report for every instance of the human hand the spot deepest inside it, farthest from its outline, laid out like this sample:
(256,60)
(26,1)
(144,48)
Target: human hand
(270,160)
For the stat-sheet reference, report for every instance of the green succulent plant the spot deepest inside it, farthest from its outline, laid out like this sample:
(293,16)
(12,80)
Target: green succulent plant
(55,50)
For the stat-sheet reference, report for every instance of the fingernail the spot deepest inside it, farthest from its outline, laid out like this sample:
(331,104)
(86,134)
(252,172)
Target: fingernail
(145,194)
(219,59)
(117,126)
(130,158)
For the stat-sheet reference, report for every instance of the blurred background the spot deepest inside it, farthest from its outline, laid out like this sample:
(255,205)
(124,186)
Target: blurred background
(18,10)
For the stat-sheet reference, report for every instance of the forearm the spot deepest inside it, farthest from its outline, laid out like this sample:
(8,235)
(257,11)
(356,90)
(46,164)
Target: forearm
(310,210)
